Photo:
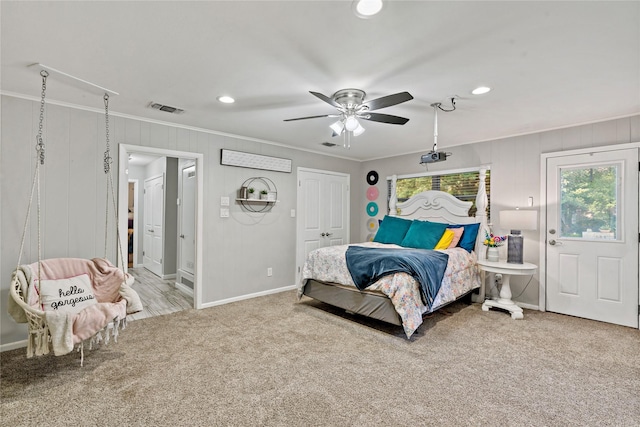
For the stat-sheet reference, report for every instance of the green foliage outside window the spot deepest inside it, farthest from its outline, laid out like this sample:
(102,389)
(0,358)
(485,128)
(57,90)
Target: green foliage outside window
(588,200)
(464,186)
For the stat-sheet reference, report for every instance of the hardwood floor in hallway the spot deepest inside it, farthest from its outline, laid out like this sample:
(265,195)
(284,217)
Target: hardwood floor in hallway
(158,296)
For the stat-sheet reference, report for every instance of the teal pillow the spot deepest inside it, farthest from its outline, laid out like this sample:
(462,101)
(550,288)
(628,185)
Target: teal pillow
(468,239)
(424,235)
(392,230)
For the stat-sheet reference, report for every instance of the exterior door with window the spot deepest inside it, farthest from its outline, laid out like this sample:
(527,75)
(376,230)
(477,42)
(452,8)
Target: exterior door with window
(592,236)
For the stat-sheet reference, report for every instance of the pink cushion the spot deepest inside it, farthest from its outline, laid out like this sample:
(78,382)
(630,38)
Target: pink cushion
(457,234)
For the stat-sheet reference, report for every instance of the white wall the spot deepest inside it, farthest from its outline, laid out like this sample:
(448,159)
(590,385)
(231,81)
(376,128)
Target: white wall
(237,250)
(515,175)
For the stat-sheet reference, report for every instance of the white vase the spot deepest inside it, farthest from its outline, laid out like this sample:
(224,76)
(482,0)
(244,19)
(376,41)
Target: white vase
(493,254)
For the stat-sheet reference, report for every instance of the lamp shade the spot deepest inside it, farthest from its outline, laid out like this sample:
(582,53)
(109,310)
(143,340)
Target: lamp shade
(359,130)
(337,127)
(351,123)
(519,220)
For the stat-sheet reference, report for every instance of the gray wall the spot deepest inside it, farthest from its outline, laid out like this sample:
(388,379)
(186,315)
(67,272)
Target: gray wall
(515,175)
(237,250)
(170,256)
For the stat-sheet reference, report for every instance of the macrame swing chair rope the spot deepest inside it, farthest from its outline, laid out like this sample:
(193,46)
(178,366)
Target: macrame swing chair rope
(23,308)
(107,162)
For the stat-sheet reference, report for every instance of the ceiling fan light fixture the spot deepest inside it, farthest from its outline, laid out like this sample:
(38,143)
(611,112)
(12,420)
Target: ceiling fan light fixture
(351,123)
(481,90)
(366,8)
(359,130)
(337,127)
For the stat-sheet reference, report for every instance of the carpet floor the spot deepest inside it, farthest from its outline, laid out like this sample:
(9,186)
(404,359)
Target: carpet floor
(274,361)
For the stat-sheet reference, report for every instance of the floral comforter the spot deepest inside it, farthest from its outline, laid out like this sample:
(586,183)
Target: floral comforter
(461,275)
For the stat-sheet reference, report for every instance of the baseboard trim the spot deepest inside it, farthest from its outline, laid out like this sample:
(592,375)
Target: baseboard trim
(249,296)
(528,306)
(13,345)
(168,276)
(184,289)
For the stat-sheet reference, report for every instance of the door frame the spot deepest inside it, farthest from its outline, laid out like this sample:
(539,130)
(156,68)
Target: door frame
(300,262)
(542,295)
(123,155)
(182,165)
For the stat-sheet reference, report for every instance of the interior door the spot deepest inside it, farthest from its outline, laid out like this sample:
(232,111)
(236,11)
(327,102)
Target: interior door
(323,211)
(153,224)
(187,241)
(592,236)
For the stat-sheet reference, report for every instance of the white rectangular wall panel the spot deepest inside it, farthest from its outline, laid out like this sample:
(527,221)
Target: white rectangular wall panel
(254,161)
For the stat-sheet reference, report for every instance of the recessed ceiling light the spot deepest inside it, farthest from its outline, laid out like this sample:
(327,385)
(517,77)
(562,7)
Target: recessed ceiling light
(481,90)
(226,99)
(366,8)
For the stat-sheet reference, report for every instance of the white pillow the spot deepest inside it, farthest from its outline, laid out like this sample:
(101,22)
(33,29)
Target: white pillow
(69,295)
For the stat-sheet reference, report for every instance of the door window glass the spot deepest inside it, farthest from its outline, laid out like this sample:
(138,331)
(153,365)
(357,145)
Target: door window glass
(589,202)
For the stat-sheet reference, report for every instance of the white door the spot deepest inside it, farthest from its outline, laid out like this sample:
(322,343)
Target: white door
(592,236)
(153,224)
(323,211)
(187,233)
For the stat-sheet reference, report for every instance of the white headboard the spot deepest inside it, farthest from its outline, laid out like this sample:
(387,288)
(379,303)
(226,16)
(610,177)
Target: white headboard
(439,206)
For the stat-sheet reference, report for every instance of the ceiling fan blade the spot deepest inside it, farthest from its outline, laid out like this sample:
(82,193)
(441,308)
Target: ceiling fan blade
(326,99)
(311,117)
(384,118)
(387,101)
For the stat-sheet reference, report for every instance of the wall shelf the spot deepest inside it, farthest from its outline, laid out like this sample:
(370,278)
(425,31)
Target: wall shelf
(258,205)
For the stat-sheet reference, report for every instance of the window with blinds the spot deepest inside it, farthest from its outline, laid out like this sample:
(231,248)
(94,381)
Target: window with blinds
(463,185)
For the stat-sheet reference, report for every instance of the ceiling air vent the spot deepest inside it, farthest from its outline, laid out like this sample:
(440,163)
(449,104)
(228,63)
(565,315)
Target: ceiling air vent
(167,108)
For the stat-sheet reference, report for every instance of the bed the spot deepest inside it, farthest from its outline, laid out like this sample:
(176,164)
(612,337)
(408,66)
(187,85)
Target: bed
(398,298)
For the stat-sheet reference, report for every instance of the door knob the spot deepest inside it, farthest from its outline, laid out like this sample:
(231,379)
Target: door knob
(554,243)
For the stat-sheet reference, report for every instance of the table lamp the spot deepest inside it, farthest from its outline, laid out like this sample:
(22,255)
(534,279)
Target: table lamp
(516,221)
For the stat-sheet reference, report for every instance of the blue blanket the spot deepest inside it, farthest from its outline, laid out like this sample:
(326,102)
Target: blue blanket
(368,265)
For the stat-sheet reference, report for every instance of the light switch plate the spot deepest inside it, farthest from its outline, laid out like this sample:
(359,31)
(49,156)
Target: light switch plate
(224,201)
(224,213)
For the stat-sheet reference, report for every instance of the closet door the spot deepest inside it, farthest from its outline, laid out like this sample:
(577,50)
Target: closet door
(323,211)
(153,224)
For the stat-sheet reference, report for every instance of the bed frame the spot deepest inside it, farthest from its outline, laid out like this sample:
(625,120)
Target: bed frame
(429,205)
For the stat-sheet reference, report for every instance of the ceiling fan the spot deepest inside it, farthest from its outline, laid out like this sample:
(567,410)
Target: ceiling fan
(352,106)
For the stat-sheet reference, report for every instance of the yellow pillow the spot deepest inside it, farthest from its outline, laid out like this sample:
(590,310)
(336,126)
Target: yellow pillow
(445,240)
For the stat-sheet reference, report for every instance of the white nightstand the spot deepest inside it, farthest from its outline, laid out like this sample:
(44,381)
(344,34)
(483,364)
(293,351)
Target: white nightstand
(507,270)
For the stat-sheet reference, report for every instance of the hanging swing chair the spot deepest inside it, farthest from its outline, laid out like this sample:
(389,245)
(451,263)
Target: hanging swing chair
(68,302)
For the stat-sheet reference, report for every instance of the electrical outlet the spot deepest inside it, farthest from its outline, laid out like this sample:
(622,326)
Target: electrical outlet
(269,272)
